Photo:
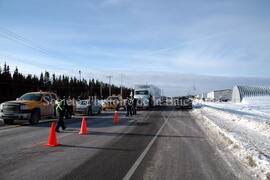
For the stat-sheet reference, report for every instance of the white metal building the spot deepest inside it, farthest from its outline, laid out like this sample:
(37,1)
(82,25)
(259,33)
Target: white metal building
(204,95)
(225,94)
(201,96)
(241,92)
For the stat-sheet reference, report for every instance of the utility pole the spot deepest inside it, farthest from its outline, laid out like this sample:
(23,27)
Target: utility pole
(110,86)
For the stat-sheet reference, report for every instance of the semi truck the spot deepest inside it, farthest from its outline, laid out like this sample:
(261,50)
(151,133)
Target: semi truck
(147,96)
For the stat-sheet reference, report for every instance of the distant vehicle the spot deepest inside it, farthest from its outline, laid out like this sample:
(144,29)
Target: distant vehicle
(113,102)
(175,99)
(88,107)
(163,100)
(183,102)
(30,106)
(102,103)
(169,100)
(147,96)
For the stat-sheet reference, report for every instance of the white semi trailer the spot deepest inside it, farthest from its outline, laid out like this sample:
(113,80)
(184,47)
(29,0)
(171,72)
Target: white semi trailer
(147,96)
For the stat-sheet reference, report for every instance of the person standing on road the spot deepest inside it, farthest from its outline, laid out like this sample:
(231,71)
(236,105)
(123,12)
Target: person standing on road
(134,106)
(129,107)
(61,109)
(150,101)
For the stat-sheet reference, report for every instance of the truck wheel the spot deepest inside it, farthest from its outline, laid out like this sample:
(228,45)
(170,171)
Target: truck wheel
(35,116)
(8,121)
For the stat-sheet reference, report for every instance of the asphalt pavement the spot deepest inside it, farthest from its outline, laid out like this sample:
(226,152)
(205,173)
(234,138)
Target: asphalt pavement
(157,144)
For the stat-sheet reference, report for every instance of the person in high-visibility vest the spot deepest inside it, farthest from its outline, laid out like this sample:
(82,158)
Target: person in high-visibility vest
(61,109)
(129,106)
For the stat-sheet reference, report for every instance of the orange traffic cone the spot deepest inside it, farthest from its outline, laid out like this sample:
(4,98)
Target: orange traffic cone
(52,137)
(83,127)
(115,119)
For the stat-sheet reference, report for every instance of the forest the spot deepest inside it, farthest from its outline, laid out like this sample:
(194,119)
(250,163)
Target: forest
(14,84)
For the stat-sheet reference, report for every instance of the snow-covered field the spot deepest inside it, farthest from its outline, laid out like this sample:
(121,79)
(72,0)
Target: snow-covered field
(247,127)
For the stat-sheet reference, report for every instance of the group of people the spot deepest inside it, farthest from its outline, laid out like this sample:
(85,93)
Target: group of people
(131,106)
(62,110)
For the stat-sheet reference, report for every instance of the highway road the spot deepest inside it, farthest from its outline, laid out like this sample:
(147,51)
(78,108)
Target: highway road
(157,144)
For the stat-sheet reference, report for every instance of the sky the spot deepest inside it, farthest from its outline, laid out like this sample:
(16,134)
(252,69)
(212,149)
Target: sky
(183,47)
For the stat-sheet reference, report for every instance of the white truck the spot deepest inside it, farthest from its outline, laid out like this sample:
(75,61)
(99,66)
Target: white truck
(147,96)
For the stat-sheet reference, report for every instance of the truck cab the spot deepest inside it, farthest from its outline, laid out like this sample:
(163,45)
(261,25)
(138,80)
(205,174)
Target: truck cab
(147,96)
(143,98)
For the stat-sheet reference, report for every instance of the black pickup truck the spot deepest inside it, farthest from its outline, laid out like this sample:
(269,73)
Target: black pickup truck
(183,103)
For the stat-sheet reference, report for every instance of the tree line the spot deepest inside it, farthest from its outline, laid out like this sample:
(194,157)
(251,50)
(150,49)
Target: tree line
(13,85)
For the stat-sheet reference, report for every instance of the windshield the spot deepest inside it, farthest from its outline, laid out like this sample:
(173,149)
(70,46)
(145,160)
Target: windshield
(31,97)
(81,102)
(143,92)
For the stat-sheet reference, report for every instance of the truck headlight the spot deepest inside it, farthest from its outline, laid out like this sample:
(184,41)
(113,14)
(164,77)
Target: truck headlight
(23,107)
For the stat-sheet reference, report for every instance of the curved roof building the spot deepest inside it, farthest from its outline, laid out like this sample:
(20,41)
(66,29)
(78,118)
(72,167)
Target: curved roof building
(240,92)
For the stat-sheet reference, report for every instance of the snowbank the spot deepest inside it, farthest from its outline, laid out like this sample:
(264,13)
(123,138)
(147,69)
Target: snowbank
(246,128)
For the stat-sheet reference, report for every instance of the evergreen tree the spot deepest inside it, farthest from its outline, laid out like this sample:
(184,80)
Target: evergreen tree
(16,74)
(41,81)
(13,86)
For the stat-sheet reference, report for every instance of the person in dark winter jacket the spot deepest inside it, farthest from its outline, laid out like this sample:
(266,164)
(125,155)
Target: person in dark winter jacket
(134,106)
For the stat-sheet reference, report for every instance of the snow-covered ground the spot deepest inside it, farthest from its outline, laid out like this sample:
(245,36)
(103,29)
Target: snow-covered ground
(247,127)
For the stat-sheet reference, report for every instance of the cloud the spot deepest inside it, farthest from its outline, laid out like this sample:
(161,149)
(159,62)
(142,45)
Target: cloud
(175,84)
(167,43)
